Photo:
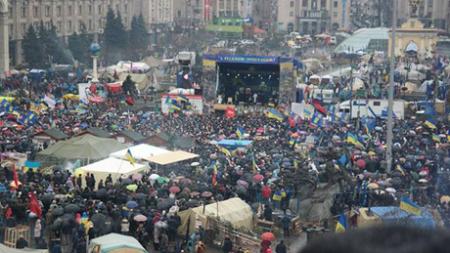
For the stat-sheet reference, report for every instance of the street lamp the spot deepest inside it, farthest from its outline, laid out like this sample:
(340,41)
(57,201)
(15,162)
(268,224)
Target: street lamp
(95,51)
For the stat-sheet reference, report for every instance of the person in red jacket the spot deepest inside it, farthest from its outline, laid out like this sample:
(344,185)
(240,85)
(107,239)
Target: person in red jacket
(266,193)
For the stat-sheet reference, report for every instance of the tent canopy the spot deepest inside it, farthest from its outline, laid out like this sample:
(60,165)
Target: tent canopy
(83,147)
(235,211)
(140,151)
(6,249)
(393,214)
(112,243)
(171,157)
(115,167)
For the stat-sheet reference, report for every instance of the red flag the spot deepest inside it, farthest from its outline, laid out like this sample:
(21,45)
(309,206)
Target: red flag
(15,176)
(291,121)
(319,107)
(34,205)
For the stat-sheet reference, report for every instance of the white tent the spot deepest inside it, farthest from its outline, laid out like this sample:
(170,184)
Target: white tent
(171,157)
(115,243)
(114,166)
(140,152)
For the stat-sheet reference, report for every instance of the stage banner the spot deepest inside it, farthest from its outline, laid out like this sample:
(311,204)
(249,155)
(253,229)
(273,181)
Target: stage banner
(247,59)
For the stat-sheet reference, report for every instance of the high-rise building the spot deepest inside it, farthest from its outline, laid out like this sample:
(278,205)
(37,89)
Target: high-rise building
(157,12)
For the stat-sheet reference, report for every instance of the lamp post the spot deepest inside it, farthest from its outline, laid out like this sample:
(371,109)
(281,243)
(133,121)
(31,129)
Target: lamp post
(95,51)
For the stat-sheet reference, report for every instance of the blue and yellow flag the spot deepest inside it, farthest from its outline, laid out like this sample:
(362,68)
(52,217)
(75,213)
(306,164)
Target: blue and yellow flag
(29,118)
(225,151)
(5,106)
(341,224)
(240,132)
(352,139)
(316,120)
(182,98)
(275,114)
(409,206)
(436,138)
(129,157)
(430,124)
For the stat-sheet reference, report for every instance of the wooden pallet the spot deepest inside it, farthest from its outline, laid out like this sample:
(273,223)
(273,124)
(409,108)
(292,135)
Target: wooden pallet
(13,234)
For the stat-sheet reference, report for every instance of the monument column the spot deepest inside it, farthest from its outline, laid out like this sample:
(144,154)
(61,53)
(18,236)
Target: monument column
(4,38)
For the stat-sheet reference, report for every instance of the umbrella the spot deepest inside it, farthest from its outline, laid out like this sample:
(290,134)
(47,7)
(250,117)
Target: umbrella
(242,183)
(132,204)
(258,178)
(373,186)
(58,211)
(126,181)
(153,176)
(174,189)
(445,199)
(195,194)
(195,164)
(71,208)
(132,187)
(140,218)
(165,203)
(99,220)
(268,236)
(391,190)
(162,180)
(137,177)
(206,194)
(361,163)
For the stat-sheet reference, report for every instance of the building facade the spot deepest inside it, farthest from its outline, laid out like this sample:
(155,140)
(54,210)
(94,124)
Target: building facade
(191,12)
(68,16)
(158,12)
(227,8)
(313,16)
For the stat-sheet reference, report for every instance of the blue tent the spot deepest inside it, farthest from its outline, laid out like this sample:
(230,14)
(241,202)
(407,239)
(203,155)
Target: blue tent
(234,144)
(393,214)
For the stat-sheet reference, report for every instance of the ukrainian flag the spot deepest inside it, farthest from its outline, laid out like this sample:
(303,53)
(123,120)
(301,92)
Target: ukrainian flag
(240,132)
(225,151)
(409,206)
(5,106)
(175,107)
(129,157)
(352,139)
(448,138)
(436,138)
(430,125)
(275,114)
(254,165)
(182,98)
(341,224)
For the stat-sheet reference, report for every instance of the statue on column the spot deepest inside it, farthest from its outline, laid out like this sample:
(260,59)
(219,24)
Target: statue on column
(414,5)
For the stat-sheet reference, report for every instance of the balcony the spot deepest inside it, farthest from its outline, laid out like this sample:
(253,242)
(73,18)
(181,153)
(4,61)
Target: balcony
(314,14)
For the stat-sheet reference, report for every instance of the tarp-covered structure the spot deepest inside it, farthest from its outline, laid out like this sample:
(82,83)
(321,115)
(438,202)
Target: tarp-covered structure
(234,144)
(114,166)
(116,243)
(6,249)
(234,211)
(83,147)
(393,214)
(139,152)
(171,157)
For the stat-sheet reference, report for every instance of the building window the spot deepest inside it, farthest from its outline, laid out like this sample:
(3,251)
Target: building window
(35,12)
(69,26)
(24,28)
(69,10)
(117,7)
(80,10)
(323,4)
(305,3)
(59,26)
(335,14)
(47,11)
(90,9)
(10,12)
(80,25)
(58,11)
(11,30)
(100,9)
(291,4)
(335,4)
(291,14)
(125,7)
(24,12)
(90,24)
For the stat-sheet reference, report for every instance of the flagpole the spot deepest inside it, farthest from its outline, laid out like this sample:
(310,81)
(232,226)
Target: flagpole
(390,123)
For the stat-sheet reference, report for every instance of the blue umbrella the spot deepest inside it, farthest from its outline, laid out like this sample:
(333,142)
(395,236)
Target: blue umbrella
(2,188)
(132,204)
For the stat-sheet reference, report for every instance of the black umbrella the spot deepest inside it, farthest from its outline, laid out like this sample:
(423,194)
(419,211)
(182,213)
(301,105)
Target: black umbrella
(71,208)
(126,181)
(165,203)
(98,220)
(101,194)
(58,211)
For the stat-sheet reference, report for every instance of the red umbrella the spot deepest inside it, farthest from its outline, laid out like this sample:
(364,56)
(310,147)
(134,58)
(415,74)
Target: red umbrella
(174,189)
(258,178)
(268,236)
(319,107)
(361,163)
(140,218)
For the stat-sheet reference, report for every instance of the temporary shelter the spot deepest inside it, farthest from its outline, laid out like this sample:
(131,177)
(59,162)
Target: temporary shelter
(171,157)
(234,211)
(114,166)
(141,151)
(115,243)
(393,214)
(233,144)
(5,249)
(83,147)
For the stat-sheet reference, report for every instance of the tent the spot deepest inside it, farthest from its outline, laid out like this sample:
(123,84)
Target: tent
(6,249)
(235,211)
(234,144)
(393,214)
(139,152)
(116,243)
(83,147)
(114,166)
(171,157)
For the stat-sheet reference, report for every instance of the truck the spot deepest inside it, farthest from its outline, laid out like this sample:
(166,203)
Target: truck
(185,58)
(372,108)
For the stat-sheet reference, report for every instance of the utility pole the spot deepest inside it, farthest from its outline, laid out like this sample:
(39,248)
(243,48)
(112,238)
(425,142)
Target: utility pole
(390,123)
